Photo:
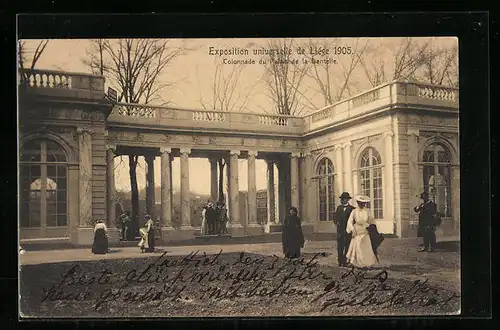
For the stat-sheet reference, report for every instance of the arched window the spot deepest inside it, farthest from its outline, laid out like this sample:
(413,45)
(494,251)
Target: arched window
(370,171)
(437,180)
(43,177)
(326,196)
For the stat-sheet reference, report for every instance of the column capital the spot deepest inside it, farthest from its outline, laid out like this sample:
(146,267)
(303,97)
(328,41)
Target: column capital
(295,154)
(111,147)
(305,154)
(165,150)
(388,134)
(234,152)
(413,132)
(347,145)
(82,130)
(337,147)
(252,153)
(185,151)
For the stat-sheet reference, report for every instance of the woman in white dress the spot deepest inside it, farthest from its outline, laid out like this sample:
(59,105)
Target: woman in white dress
(147,243)
(360,253)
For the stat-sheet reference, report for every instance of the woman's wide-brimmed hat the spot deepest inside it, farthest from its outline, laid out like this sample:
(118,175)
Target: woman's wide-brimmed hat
(345,195)
(363,199)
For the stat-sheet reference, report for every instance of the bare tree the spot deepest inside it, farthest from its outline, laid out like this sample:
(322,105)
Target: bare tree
(406,57)
(440,65)
(23,58)
(285,74)
(134,68)
(334,76)
(226,95)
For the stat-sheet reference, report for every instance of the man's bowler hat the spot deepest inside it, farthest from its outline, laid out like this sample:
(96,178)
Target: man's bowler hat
(345,195)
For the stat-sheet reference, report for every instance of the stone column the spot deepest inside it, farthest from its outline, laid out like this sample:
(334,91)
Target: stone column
(214,187)
(294,178)
(455,197)
(150,185)
(110,185)
(185,195)
(270,196)
(415,181)
(252,190)
(348,179)
(388,182)
(234,190)
(166,188)
(85,177)
(339,169)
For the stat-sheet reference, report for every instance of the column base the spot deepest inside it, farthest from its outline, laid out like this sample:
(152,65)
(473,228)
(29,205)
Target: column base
(84,236)
(113,235)
(272,227)
(307,228)
(236,229)
(169,234)
(254,229)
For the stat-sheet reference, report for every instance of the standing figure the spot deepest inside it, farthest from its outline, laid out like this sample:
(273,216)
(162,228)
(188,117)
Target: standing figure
(361,253)
(100,244)
(147,243)
(343,238)
(222,218)
(211,215)
(125,221)
(427,218)
(292,236)
(204,227)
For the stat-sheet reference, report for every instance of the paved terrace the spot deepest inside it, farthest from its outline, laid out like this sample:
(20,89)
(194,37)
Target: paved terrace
(390,96)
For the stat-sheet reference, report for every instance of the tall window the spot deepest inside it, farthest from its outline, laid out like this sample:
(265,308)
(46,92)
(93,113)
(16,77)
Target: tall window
(371,180)
(437,169)
(326,197)
(43,177)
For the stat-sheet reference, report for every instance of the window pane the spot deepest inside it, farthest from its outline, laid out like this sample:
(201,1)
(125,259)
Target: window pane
(62,220)
(31,151)
(55,152)
(61,208)
(331,198)
(51,220)
(34,216)
(51,171)
(429,156)
(24,214)
(61,171)
(61,196)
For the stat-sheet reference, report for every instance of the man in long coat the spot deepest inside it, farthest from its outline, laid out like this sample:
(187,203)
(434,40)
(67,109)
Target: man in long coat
(343,238)
(427,218)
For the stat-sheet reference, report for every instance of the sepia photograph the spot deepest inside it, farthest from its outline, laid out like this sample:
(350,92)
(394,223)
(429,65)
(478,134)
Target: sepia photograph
(238,177)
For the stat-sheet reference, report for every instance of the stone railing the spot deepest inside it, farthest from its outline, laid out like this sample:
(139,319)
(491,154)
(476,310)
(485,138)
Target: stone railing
(197,119)
(67,85)
(381,97)
(209,116)
(273,120)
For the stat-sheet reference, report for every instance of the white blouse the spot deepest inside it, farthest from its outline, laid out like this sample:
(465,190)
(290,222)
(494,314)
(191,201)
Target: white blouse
(100,226)
(359,220)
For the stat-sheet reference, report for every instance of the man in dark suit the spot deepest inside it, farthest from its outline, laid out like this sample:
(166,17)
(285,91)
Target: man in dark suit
(427,217)
(343,238)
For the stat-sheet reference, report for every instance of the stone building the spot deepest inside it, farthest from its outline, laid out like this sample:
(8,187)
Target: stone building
(391,143)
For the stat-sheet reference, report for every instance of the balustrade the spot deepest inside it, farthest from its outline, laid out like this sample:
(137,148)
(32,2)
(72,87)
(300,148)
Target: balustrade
(273,120)
(209,116)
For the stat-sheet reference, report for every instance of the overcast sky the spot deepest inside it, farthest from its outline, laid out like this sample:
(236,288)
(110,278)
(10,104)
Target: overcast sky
(191,76)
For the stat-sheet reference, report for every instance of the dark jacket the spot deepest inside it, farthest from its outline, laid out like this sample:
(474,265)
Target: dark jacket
(292,236)
(341,218)
(427,213)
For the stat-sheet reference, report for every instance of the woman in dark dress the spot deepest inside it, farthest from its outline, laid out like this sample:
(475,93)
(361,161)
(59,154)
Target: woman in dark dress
(100,245)
(293,238)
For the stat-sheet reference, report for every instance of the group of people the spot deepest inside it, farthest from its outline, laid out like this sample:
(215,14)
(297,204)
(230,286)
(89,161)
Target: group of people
(147,233)
(357,236)
(214,219)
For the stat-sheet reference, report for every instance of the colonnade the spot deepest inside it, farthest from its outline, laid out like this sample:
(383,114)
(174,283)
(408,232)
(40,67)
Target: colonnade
(287,188)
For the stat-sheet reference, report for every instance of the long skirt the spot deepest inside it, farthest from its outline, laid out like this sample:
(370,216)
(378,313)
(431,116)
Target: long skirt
(147,240)
(360,253)
(204,227)
(100,245)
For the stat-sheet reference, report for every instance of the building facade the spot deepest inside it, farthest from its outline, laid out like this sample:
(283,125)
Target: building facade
(390,143)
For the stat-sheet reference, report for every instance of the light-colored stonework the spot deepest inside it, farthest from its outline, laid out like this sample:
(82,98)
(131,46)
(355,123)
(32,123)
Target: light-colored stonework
(398,120)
